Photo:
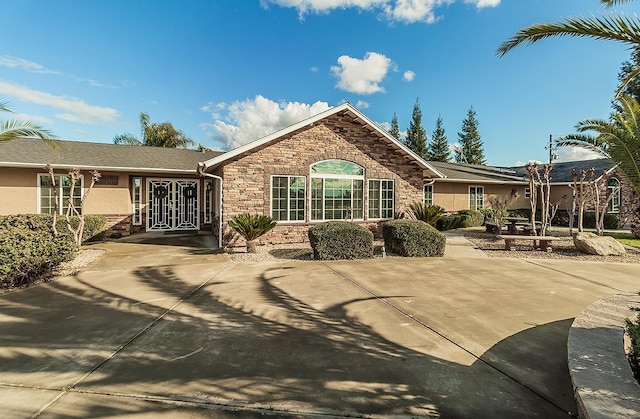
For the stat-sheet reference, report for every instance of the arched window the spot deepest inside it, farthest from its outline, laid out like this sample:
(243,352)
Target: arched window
(337,191)
(613,195)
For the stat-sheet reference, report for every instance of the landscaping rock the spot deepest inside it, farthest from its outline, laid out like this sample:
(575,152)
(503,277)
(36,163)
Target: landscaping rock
(593,244)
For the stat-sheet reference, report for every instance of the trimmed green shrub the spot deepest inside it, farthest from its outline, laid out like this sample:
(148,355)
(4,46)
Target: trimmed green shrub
(430,214)
(29,249)
(94,226)
(474,218)
(465,218)
(412,238)
(610,221)
(336,240)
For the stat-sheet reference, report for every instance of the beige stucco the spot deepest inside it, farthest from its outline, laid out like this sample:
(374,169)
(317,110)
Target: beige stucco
(454,196)
(19,192)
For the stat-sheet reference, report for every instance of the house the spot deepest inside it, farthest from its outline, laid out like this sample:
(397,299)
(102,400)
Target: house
(337,165)
(613,182)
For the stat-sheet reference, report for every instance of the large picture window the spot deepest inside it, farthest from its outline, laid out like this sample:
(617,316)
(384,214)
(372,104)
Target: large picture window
(288,198)
(476,197)
(47,195)
(380,199)
(337,191)
(613,192)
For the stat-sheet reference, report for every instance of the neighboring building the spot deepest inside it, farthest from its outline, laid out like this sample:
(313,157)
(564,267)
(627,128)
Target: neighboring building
(337,165)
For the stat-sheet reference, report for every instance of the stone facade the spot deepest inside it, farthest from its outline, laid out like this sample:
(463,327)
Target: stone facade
(247,178)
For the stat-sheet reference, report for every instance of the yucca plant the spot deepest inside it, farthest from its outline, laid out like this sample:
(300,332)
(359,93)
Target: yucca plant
(251,227)
(430,214)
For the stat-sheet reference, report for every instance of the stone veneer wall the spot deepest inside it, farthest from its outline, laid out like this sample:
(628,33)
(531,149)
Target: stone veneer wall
(247,179)
(629,201)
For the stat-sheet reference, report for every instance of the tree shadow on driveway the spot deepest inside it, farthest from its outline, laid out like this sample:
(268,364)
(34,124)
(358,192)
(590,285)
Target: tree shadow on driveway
(246,339)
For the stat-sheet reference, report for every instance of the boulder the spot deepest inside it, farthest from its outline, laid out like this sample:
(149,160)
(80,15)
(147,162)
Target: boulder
(593,244)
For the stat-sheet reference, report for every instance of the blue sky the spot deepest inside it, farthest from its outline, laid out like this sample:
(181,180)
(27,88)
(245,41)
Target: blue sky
(229,71)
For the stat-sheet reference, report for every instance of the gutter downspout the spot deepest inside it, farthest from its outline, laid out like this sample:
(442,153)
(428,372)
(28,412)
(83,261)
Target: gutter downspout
(202,173)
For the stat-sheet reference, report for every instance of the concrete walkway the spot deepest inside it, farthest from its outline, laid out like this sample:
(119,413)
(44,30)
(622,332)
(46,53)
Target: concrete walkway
(154,329)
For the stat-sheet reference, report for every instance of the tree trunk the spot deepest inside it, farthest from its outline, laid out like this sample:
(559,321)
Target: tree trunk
(251,246)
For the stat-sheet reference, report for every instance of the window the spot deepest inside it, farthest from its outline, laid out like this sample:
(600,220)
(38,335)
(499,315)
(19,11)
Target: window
(287,198)
(337,191)
(380,198)
(527,192)
(613,188)
(136,200)
(476,197)
(428,194)
(47,195)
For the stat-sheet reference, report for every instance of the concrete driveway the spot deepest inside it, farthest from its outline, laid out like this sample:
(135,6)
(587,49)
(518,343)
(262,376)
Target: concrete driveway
(156,329)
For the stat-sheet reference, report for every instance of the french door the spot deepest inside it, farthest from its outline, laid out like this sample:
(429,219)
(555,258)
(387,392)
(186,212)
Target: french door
(173,204)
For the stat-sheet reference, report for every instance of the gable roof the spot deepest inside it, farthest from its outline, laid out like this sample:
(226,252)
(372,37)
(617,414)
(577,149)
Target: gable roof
(345,108)
(31,153)
(455,172)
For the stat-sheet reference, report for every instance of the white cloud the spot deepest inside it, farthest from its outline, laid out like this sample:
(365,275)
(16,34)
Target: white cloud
(314,69)
(31,118)
(408,75)
(576,154)
(361,104)
(26,65)
(76,109)
(406,11)
(255,118)
(361,76)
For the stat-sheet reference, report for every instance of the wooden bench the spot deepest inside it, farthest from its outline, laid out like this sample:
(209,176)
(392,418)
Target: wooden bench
(544,241)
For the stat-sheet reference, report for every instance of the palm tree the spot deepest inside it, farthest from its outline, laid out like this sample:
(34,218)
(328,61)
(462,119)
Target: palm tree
(613,26)
(617,139)
(156,134)
(12,128)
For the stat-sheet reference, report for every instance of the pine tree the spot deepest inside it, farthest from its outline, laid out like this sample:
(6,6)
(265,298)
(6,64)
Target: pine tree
(395,129)
(470,141)
(439,147)
(416,135)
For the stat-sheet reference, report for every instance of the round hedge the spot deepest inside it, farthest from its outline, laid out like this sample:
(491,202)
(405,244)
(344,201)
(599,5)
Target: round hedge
(336,240)
(412,238)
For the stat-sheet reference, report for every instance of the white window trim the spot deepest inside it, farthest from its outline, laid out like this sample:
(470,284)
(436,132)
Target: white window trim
(424,193)
(618,192)
(304,218)
(393,208)
(207,201)
(338,176)
(61,204)
(136,221)
(527,192)
(469,197)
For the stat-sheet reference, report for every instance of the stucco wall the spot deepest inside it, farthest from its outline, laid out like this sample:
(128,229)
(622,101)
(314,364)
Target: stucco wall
(454,196)
(18,193)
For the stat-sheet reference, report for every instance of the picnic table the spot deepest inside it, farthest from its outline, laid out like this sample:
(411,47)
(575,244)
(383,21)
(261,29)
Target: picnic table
(514,222)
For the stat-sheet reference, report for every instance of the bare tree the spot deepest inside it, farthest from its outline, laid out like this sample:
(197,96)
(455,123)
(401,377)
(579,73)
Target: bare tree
(49,170)
(532,170)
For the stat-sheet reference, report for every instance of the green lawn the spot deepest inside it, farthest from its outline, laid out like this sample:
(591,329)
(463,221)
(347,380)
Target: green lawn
(625,238)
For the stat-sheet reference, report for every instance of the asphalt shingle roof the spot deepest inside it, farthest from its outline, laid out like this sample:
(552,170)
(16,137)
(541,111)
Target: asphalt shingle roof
(22,152)
(561,172)
(476,173)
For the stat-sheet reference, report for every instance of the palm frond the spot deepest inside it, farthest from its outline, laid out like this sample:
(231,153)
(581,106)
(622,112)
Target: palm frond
(610,3)
(616,27)
(585,142)
(4,106)
(12,128)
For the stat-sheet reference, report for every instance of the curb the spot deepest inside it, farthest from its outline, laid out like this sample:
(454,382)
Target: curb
(603,383)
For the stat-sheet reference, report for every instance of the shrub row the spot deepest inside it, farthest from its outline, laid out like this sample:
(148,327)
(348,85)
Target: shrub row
(29,249)
(345,240)
(562,218)
(464,218)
